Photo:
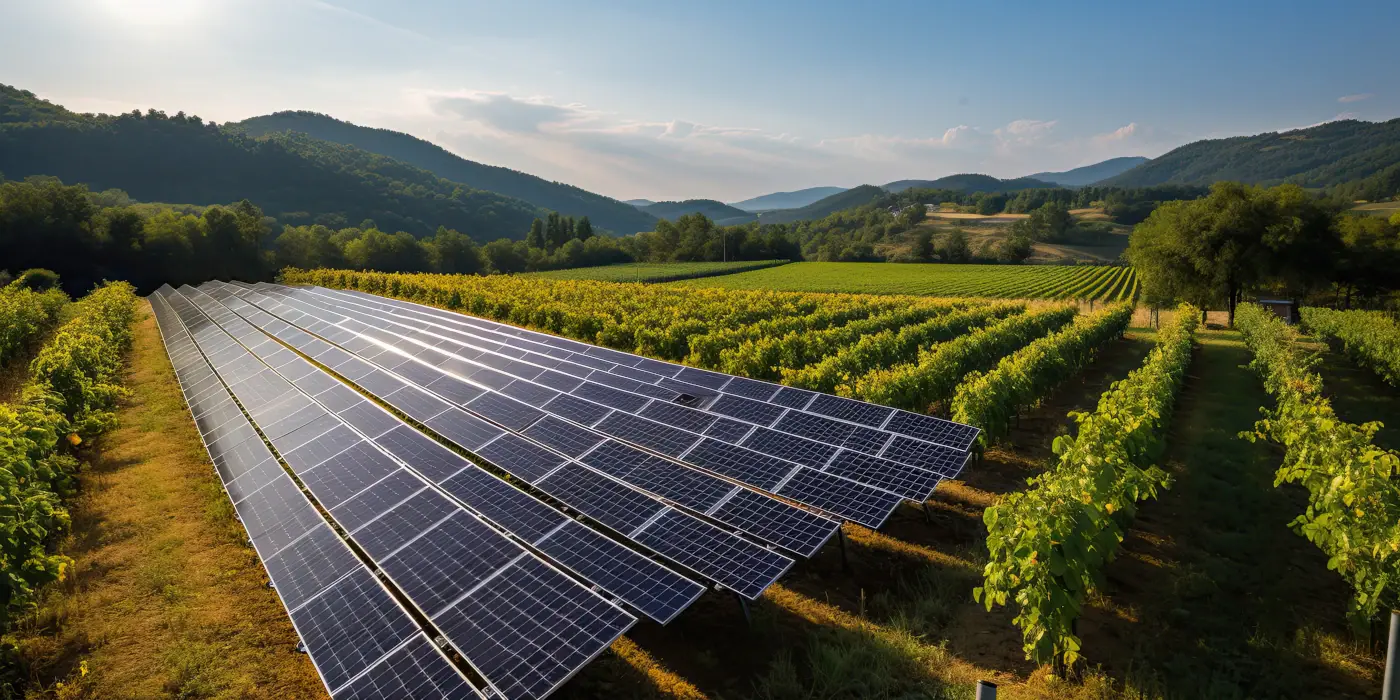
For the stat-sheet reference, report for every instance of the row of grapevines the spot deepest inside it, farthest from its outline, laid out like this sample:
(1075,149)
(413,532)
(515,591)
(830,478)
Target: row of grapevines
(765,358)
(920,385)
(70,397)
(991,400)
(705,349)
(24,315)
(1369,339)
(890,346)
(1353,512)
(1048,545)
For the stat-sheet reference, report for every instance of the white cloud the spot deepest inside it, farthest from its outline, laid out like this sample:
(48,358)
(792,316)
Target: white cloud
(1348,99)
(679,159)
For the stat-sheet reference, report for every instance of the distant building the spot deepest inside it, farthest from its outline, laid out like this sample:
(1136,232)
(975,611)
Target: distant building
(1283,308)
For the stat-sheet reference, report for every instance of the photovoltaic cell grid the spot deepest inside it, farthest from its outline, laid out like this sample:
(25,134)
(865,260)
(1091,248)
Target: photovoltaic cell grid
(445,567)
(779,523)
(668,428)
(361,642)
(816,432)
(736,563)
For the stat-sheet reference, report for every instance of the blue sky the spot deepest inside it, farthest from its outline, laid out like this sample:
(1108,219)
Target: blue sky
(728,100)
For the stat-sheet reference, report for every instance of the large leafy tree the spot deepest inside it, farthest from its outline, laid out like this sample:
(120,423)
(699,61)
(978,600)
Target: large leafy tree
(1211,250)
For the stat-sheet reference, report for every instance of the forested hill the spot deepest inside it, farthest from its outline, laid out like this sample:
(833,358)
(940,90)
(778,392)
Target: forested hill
(292,177)
(969,182)
(1326,155)
(603,212)
(719,212)
(1090,174)
(787,200)
(820,209)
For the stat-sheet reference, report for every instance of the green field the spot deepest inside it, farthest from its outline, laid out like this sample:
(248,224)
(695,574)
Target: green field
(1005,281)
(655,272)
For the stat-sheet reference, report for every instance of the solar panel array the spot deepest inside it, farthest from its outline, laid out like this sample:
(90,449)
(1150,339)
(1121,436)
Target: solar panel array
(521,624)
(361,641)
(598,482)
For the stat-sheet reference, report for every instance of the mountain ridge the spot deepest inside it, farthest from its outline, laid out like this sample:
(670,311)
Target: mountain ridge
(604,212)
(1092,173)
(786,200)
(969,182)
(716,211)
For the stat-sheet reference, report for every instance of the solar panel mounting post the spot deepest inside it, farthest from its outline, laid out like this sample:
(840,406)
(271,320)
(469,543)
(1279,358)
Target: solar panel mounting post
(845,561)
(1391,690)
(744,606)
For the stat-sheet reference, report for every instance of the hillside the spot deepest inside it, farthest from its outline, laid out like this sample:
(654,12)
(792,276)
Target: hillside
(969,182)
(604,212)
(292,177)
(787,200)
(719,212)
(1090,174)
(854,197)
(1320,156)
(639,202)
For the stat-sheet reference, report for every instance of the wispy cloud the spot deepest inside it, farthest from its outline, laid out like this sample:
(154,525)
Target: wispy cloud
(1348,99)
(679,158)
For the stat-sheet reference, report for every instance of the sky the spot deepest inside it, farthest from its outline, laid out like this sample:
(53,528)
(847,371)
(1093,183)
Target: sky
(729,100)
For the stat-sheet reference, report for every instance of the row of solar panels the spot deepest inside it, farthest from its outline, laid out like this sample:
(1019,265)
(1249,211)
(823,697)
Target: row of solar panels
(362,642)
(595,450)
(848,480)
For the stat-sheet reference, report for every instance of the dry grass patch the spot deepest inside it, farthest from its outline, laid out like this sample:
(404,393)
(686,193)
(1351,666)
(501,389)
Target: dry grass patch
(166,599)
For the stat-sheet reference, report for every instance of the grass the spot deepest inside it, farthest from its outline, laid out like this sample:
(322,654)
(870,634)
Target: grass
(655,272)
(1006,281)
(1359,395)
(166,600)
(1378,208)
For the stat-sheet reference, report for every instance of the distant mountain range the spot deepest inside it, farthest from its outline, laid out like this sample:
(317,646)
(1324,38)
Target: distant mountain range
(604,212)
(1320,156)
(970,182)
(787,200)
(1090,174)
(718,212)
(639,202)
(845,199)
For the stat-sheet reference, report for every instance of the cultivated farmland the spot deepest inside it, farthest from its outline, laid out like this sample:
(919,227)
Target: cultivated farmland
(1105,283)
(655,272)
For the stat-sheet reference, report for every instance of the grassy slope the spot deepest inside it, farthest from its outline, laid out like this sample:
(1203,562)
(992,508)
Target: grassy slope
(899,278)
(654,272)
(167,599)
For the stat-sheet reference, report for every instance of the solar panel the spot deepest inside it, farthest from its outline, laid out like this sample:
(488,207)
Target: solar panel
(415,670)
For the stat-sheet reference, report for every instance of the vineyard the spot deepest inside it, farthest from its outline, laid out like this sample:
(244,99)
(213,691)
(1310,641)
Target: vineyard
(655,272)
(1103,283)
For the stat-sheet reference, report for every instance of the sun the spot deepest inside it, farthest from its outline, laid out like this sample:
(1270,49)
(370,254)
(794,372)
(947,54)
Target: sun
(156,13)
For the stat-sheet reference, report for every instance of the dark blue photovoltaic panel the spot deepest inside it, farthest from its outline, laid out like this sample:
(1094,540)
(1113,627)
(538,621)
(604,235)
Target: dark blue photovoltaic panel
(747,409)
(502,503)
(254,478)
(789,447)
(532,394)
(563,436)
(505,410)
(751,389)
(835,432)
(520,457)
(350,625)
(690,488)
(369,419)
(616,506)
(448,560)
(680,416)
(275,515)
(370,504)
(406,521)
(793,529)
(526,648)
(454,389)
(856,502)
(655,590)
(347,474)
(609,396)
(848,409)
(307,566)
(421,452)
(464,429)
(662,438)
(737,463)
(576,409)
(689,542)
(730,431)
(416,403)
(934,458)
(914,484)
(415,670)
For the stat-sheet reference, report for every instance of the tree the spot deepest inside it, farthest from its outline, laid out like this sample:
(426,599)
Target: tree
(913,215)
(535,238)
(1014,248)
(584,230)
(1209,251)
(955,248)
(923,246)
(505,256)
(455,253)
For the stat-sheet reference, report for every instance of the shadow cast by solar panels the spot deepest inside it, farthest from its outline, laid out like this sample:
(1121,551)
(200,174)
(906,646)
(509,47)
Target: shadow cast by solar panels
(523,627)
